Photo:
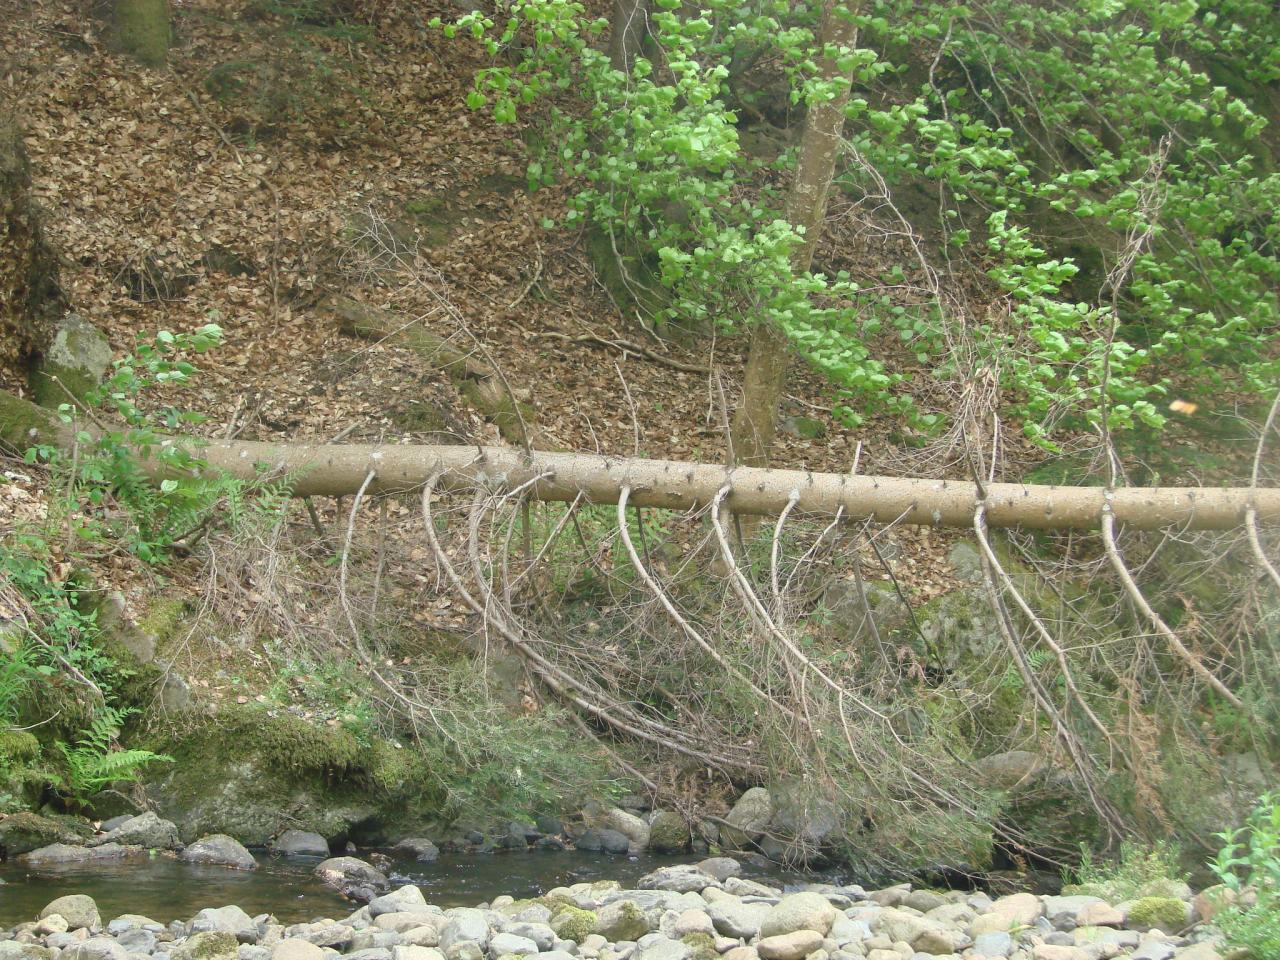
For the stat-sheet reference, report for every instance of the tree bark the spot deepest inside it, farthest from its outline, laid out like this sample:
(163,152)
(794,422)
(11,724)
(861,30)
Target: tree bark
(31,299)
(627,30)
(340,470)
(141,29)
(756,422)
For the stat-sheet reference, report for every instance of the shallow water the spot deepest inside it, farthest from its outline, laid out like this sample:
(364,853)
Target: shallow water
(165,889)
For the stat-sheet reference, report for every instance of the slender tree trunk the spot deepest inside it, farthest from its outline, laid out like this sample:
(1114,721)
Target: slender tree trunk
(627,32)
(334,470)
(141,29)
(31,299)
(756,421)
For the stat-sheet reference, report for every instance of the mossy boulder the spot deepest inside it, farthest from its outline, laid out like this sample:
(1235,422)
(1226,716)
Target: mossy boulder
(211,945)
(702,944)
(574,923)
(251,773)
(621,920)
(75,363)
(1164,913)
(668,833)
(23,832)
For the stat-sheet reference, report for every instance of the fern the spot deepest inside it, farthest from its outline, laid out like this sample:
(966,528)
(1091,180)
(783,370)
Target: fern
(95,762)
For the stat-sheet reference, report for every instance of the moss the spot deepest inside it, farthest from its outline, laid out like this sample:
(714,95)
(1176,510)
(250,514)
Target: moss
(142,30)
(211,945)
(629,923)
(162,619)
(703,944)
(18,746)
(574,923)
(1165,913)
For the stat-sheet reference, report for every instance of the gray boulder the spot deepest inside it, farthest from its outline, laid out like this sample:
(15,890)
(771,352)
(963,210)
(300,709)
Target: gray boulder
(230,919)
(733,918)
(608,841)
(146,830)
(799,911)
(68,853)
(420,848)
(748,818)
(465,924)
(80,911)
(509,943)
(219,850)
(74,363)
(95,948)
(406,899)
(353,878)
(300,843)
(682,878)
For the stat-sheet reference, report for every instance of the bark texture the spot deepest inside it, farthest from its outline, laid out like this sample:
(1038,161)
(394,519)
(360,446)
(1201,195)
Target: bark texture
(31,300)
(141,29)
(756,422)
(627,30)
(341,470)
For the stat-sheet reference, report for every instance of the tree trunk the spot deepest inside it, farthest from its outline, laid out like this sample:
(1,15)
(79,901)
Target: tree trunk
(627,30)
(340,470)
(31,299)
(756,421)
(141,29)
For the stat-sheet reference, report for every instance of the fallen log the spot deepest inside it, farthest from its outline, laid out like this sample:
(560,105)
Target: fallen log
(341,469)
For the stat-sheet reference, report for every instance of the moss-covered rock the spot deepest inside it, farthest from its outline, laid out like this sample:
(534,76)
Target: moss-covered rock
(573,923)
(23,832)
(703,945)
(623,920)
(251,772)
(74,363)
(1164,913)
(211,945)
(668,833)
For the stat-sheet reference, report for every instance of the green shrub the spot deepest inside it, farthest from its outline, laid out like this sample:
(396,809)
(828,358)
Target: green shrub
(95,762)
(1139,871)
(1249,863)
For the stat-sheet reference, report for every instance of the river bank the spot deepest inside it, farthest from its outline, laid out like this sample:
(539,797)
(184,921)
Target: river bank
(701,911)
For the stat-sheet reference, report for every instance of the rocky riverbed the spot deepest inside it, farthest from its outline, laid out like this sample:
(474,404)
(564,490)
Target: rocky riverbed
(703,911)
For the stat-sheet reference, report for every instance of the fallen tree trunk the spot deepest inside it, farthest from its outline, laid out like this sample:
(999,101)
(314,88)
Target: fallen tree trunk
(341,470)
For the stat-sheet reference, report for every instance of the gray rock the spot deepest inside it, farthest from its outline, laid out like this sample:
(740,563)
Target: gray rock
(374,939)
(75,362)
(415,952)
(993,945)
(733,918)
(789,946)
(295,949)
(206,946)
(630,826)
(322,934)
(802,813)
(539,933)
(503,943)
(1063,911)
(229,919)
(146,830)
(220,850)
(95,948)
(372,953)
(420,848)
(722,868)
(57,853)
(657,947)
(465,924)
(137,940)
(742,887)
(406,899)
(622,920)
(1153,950)
(80,911)
(682,878)
(608,841)
(748,818)
(353,878)
(799,911)
(25,831)
(301,843)
(251,951)
(846,930)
